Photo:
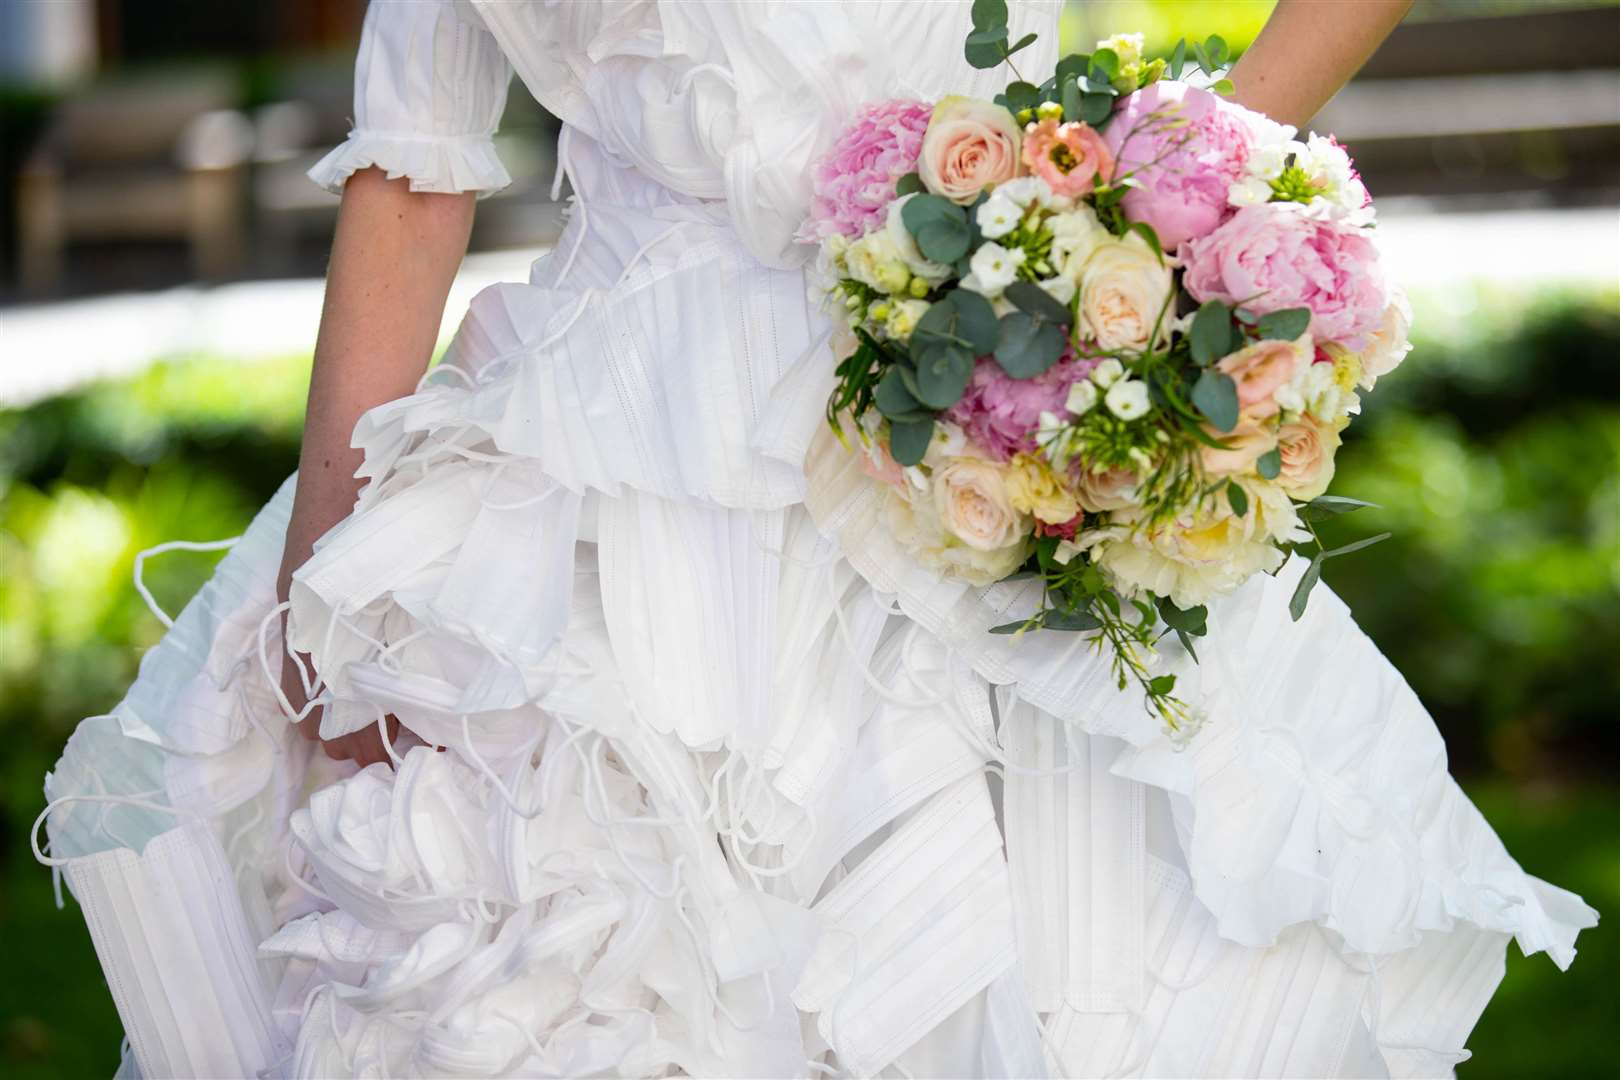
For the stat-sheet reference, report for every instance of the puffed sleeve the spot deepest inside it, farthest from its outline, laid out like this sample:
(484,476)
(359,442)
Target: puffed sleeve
(429,88)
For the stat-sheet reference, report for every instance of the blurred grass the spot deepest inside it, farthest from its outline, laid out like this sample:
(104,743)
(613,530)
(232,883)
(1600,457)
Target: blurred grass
(1494,453)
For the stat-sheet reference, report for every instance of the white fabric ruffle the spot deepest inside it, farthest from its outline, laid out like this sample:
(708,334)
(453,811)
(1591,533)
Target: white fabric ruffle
(446,164)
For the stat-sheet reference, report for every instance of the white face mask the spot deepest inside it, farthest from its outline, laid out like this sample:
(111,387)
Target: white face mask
(179,958)
(916,930)
(1077,848)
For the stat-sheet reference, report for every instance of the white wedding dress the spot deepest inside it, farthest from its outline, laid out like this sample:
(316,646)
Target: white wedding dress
(729,786)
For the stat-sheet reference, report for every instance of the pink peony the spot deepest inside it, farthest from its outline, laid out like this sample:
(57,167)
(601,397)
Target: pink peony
(853,184)
(1276,256)
(1186,146)
(1070,157)
(1001,414)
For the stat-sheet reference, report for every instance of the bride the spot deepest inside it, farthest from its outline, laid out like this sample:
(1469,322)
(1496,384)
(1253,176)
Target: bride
(543,726)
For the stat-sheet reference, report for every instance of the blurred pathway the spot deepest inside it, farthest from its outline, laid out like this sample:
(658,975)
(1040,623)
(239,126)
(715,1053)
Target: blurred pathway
(49,349)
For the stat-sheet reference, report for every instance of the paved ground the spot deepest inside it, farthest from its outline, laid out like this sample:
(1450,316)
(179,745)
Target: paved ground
(47,349)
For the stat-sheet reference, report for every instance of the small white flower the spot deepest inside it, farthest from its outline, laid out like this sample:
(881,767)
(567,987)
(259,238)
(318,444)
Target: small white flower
(1054,437)
(1060,289)
(1107,373)
(998,216)
(902,317)
(1127,399)
(995,267)
(1082,398)
(1022,191)
(1066,550)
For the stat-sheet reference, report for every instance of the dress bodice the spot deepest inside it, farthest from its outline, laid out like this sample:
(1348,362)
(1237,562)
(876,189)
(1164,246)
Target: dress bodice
(724,100)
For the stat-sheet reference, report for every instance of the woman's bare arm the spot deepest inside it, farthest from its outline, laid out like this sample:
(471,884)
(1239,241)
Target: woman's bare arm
(393,258)
(1308,50)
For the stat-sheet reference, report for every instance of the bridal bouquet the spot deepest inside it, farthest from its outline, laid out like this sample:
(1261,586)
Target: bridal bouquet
(1105,329)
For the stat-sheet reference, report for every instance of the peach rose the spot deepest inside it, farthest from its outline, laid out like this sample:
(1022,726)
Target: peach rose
(1124,289)
(971,497)
(1306,448)
(968,146)
(1070,157)
(1108,489)
(1245,445)
(1260,369)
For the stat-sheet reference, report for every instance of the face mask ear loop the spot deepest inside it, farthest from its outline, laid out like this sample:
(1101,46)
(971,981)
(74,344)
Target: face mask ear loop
(172,545)
(44,859)
(860,662)
(309,887)
(293,716)
(427,376)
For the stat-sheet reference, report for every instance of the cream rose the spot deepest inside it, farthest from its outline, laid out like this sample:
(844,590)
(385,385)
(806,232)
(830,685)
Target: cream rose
(1075,235)
(971,498)
(1106,490)
(1123,290)
(1261,369)
(1390,343)
(968,146)
(1245,445)
(1032,488)
(874,260)
(1306,448)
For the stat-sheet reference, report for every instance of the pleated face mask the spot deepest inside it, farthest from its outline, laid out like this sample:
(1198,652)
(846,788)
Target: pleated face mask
(179,958)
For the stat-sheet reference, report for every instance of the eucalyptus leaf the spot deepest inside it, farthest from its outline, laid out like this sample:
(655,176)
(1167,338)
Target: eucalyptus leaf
(976,321)
(1286,324)
(1023,43)
(908,184)
(1223,87)
(1215,395)
(1095,108)
(1235,495)
(1105,61)
(1215,46)
(1178,59)
(1071,100)
(1028,346)
(1203,58)
(891,396)
(945,240)
(928,210)
(989,13)
(942,373)
(1022,95)
(1302,591)
(989,36)
(1269,463)
(1072,67)
(1029,297)
(1325,506)
(1186,643)
(1193,620)
(1211,334)
(1058,619)
(1356,546)
(909,439)
(984,57)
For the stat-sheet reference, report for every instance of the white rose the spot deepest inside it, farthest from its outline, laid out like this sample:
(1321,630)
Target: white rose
(995,267)
(1107,373)
(998,215)
(1108,490)
(875,261)
(1390,343)
(906,244)
(1075,235)
(971,498)
(1082,398)
(903,316)
(1124,290)
(1128,399)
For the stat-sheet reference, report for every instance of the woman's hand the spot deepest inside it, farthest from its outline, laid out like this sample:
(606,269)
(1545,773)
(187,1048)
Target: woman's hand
(394,255)
(363,747)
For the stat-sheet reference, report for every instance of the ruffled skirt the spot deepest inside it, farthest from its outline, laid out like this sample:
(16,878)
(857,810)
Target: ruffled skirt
(703,775)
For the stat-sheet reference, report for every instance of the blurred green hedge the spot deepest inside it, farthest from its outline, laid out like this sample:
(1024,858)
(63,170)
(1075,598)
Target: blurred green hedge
(1494,455)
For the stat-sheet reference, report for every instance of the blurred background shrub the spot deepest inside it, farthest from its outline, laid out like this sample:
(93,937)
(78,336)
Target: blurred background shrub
(1494,454)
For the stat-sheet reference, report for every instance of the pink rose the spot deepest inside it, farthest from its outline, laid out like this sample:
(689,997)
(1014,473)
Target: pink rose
(1259,369)
(968,146)
(1185,146)
(1070,157)
(1276,256)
